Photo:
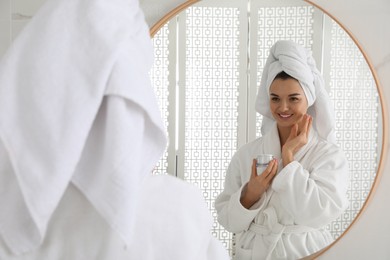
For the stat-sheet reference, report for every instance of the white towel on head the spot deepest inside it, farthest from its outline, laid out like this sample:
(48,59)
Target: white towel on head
(72,56)
(298,62)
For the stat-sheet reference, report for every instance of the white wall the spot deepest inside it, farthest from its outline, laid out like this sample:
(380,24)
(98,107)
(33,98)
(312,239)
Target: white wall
(369,22)
(14,15)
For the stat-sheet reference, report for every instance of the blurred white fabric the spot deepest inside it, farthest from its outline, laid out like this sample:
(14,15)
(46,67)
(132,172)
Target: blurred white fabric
(52,82)
(78,113)
(172,223)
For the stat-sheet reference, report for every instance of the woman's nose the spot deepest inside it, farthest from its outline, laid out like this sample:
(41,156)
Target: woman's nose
(283,106)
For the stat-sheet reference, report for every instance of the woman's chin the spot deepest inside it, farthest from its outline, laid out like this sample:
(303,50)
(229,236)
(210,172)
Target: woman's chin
(286,123)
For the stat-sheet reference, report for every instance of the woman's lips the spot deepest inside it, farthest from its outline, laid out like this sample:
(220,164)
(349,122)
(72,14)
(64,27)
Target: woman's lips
(285,116)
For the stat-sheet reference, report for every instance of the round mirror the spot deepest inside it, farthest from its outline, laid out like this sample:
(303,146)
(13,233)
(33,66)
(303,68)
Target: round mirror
(209,57)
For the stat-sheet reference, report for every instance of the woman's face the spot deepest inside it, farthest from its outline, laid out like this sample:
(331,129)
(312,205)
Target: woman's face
(288,102)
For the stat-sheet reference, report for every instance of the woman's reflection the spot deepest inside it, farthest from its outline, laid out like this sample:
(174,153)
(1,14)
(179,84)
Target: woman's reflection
(282,212)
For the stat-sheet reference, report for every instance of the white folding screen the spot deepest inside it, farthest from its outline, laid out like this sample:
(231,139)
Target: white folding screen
(208,64)
(358,119)
(215,57)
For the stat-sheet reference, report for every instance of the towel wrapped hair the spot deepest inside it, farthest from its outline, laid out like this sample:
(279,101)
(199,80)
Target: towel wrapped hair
(299,63)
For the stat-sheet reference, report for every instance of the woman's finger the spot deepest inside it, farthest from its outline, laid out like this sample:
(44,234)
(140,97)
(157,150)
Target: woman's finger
(269,168)
(273,170)
(293,132)
(305,124)
(309,125)
(254,168)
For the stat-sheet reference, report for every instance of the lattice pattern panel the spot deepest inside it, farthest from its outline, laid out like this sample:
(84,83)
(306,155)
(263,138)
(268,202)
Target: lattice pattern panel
(159,77)
(356,101)
(281,23)
(211,101)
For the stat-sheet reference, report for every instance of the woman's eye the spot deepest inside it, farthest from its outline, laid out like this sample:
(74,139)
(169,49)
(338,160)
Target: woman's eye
(294,99)
(274,99)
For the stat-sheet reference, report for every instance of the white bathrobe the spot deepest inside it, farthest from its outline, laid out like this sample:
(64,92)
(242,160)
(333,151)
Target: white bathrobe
(288,221)
(172,223)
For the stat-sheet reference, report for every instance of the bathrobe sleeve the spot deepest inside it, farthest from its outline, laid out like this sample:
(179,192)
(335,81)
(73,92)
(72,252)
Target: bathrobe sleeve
(231,213)
(178,223)
(315,194)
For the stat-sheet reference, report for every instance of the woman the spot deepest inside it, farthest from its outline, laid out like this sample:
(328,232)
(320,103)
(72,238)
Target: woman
(282,212)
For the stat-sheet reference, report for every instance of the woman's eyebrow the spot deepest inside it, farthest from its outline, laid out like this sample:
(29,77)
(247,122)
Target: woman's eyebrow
(291,95)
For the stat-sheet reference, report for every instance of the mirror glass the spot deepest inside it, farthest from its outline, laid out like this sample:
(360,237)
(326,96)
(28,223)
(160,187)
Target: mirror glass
(208,63)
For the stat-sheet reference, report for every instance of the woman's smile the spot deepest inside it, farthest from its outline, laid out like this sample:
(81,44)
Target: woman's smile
(285,116)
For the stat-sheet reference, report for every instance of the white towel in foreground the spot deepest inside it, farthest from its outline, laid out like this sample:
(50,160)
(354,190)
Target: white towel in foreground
(172,223)
(69,58)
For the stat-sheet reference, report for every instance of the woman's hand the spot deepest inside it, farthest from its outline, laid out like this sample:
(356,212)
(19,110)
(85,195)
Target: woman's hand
(298,137)
(258,184)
